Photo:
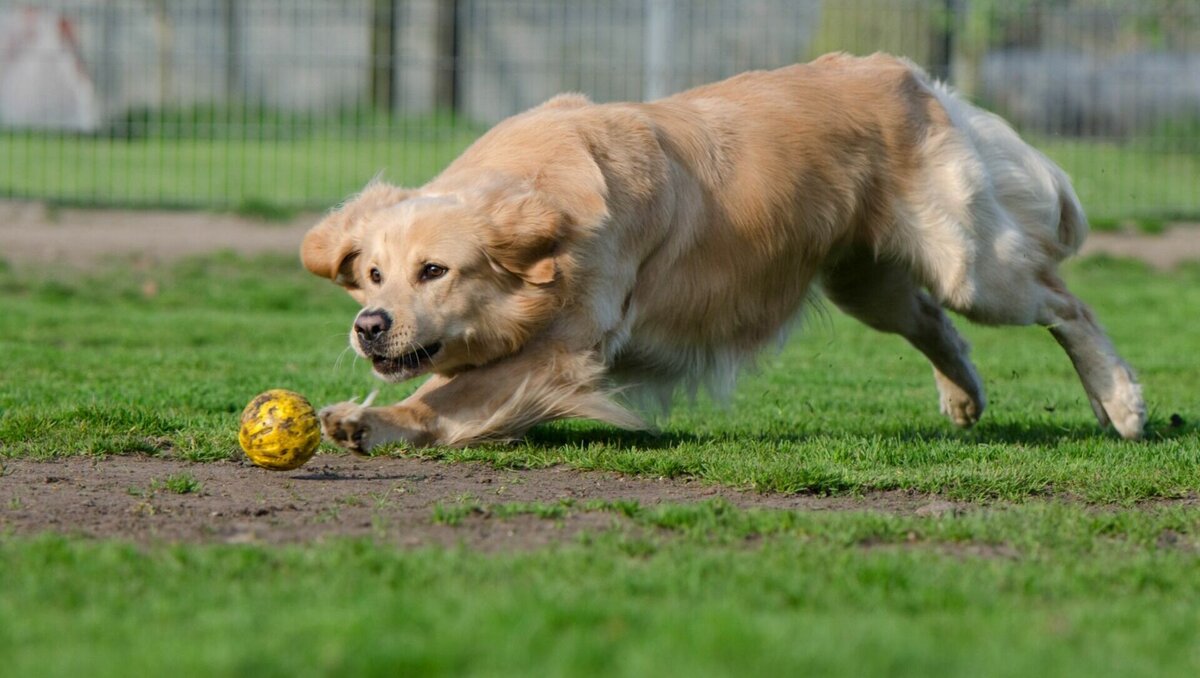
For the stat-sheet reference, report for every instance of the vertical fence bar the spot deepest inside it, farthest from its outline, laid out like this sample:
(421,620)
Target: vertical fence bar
(446,55)
(383,45)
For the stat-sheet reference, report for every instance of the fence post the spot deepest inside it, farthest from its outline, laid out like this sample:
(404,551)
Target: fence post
(382,68)
(233,46)
(941,53)
(656,72)
(446,56)
(107,72)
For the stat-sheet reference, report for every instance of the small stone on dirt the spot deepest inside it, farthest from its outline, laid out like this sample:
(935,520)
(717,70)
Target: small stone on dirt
(938,509)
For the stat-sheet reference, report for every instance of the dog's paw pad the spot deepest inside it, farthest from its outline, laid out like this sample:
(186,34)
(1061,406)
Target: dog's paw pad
(345,425)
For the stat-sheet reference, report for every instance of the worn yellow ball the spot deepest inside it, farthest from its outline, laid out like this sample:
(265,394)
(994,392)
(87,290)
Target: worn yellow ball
(279,430)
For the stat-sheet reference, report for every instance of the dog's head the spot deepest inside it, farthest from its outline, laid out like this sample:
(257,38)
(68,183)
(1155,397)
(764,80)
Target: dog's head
(447,282)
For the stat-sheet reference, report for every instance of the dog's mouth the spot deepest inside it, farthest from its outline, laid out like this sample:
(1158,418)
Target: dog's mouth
(407,365)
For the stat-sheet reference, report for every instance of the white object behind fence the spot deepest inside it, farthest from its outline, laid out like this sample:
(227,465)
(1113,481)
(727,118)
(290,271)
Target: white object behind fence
(43,82)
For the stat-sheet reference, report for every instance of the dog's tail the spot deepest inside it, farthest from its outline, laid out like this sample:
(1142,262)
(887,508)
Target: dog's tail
(1072,222)
(1027,183)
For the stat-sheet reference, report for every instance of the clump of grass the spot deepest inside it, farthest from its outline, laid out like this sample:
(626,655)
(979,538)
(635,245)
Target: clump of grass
(182,483)
(263,210)
(546,511)
(454,514)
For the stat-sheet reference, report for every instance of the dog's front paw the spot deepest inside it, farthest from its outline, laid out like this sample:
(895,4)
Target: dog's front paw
(347,425)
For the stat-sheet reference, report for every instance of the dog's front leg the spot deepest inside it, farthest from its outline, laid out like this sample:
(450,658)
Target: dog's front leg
(499,401)
(358,427)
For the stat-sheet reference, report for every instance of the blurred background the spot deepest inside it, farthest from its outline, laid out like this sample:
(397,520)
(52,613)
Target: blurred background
(269,107)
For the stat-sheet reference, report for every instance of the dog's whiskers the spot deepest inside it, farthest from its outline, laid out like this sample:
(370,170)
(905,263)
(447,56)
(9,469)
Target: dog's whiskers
(422,349)
(338,362)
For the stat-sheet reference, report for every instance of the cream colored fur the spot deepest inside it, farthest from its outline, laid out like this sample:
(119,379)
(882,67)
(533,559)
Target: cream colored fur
(643,247)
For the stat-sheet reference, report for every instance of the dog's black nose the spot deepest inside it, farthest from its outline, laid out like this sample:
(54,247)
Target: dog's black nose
(370,324)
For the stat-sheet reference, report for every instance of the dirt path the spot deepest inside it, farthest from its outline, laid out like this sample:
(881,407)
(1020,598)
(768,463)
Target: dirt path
(390,499)
(1177,245)
(30,232)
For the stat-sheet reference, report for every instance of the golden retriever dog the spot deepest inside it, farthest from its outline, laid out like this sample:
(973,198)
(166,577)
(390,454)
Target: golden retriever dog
(581,250)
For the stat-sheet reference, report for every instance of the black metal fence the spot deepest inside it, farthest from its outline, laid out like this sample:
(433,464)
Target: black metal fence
(267,105)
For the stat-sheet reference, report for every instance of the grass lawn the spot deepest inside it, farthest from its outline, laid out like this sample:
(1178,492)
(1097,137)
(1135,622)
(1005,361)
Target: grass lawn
(311,172)
(1074,557)
(1118,182)
(1037,590)
(95,366)
(319,165)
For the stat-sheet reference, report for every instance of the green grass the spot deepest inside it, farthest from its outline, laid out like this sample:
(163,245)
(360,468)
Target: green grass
(172,372)
(272,164)
(177,483)
(1014,530)
(260,177)
(1070,559)
(455,513)
(1130,182)
(95,367)
(182,483)
(1044,589)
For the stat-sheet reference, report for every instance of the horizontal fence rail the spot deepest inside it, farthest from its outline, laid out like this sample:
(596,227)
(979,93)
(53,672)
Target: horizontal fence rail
(272,106)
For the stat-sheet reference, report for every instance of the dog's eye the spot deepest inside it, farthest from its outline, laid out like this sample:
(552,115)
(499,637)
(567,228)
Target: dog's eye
(376,276)
(431,271)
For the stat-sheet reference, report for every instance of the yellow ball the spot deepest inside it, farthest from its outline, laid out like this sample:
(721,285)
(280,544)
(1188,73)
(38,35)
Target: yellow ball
(279,430)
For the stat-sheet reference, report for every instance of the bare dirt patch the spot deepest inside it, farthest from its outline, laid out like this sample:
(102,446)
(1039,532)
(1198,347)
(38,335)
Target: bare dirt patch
(387,498)
(31,232)
(1175,246)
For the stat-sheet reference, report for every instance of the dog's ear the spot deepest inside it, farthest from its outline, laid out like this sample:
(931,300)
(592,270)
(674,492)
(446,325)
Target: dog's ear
(526,237)
(330,248)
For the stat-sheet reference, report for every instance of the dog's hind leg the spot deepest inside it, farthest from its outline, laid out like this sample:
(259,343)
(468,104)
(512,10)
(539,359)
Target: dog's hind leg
(1111,386)
(885,297)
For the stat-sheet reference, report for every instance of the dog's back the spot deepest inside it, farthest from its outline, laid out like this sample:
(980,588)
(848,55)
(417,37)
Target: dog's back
(784,172)
(902,196)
